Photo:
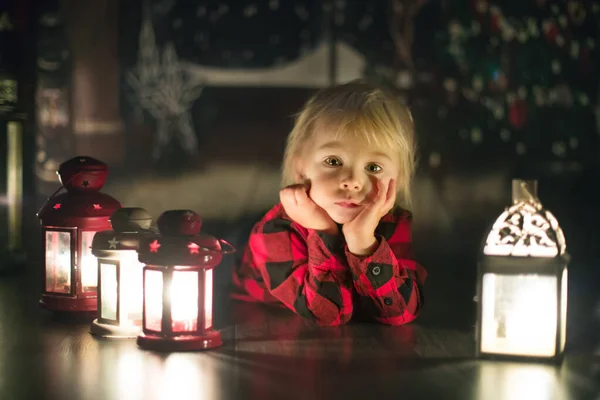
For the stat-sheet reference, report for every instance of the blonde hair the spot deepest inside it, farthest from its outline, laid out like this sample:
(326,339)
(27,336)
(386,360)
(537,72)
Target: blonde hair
(360,111)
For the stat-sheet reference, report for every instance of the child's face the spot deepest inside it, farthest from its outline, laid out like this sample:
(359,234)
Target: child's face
(343,173)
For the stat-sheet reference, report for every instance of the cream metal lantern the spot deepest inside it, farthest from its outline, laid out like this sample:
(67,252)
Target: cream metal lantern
(522,282)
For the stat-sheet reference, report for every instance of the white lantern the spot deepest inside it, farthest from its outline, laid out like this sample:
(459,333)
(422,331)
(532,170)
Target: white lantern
(522,282)
(120,279)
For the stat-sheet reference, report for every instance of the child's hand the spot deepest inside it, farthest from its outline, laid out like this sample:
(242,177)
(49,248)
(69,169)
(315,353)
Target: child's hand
(304,211)
(360,232)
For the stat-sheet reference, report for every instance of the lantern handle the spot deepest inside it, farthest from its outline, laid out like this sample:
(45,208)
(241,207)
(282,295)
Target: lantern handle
(531,196)
(228,247)
(62,186)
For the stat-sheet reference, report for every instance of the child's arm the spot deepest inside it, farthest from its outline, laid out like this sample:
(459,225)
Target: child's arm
(299,268)
(389,281)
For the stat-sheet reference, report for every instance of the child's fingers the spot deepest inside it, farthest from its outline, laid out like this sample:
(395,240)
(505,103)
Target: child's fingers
(390,196)
(301,195)
(391,190)
(381,193)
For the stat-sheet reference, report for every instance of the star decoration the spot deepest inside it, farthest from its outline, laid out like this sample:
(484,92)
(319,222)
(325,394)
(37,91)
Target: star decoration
(56,206)
(154,246)
(189,215)
(112,244)
(85,183)
(97,207)
(193,248)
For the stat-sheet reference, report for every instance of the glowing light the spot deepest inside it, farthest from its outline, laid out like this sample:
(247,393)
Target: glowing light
(519,314)
(132,287)
(89,263)
(154,300)
(56,206)
(184,301)
(109,287)
(208,298)
(97,207)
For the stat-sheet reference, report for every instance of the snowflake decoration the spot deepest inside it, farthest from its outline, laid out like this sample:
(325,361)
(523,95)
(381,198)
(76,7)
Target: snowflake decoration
(165,90)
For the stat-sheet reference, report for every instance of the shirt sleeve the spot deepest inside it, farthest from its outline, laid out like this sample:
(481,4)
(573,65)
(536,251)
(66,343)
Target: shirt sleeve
(389,282)
(303,268)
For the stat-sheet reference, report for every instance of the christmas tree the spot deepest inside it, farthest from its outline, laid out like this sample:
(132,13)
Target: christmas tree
(516,80)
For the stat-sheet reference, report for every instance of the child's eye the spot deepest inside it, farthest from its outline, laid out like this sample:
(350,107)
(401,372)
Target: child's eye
(374,168)
(333,161)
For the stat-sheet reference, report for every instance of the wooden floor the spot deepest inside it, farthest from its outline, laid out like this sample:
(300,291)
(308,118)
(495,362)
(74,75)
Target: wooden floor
(273,354)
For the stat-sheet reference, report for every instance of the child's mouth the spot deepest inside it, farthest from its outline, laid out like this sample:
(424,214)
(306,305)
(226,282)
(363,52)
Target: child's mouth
(347,204)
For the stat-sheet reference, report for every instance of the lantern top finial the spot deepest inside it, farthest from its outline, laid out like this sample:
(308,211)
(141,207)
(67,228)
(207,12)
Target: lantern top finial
(179,223)
(131,219)
(83,174)
(129,226)
(524,191)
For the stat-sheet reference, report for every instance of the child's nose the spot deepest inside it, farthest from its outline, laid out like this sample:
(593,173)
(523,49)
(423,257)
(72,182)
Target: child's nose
(351,182)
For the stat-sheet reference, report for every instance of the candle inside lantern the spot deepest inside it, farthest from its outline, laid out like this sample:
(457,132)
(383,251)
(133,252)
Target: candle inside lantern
(184,301)
(132,289)
(89,264)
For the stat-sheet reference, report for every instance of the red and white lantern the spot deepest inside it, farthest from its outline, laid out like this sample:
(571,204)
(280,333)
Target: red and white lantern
(178,284)
(69,222)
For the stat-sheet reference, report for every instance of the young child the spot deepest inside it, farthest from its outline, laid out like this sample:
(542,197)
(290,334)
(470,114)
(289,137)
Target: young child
(340,240)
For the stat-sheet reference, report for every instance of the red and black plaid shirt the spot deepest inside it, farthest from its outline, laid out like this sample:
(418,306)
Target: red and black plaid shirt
(315,275)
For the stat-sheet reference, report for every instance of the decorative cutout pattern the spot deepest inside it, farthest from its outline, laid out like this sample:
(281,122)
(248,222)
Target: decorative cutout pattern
(525,229)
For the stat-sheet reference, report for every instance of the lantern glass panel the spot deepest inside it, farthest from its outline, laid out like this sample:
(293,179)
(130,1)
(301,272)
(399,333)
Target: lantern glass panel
(184,301)
(108,291)
(208,298)
(131,289)
(519,314)
(89,264)
(58,261)
(563,309)
(153,299)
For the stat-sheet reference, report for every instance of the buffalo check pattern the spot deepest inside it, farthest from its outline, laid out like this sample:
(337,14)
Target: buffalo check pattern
(315,275)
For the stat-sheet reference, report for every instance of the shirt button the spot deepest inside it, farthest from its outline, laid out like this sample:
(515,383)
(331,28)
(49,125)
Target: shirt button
(387,301)
(376,270)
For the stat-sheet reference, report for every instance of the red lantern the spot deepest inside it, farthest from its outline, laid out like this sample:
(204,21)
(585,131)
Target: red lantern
(178,284)
(120,274)
(69,222)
